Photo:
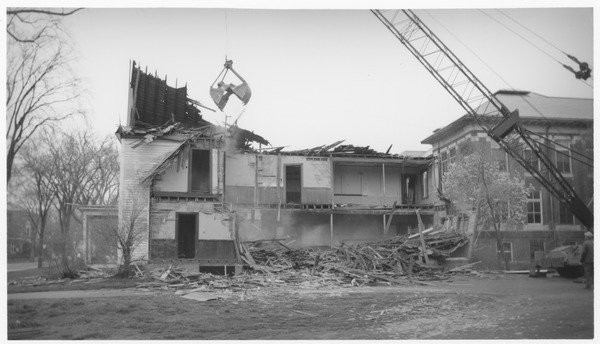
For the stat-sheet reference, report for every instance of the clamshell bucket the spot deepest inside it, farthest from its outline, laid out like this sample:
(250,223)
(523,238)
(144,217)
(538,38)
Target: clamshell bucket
(220,91)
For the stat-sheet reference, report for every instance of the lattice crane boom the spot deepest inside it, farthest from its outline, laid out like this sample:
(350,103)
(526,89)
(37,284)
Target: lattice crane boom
(478,101)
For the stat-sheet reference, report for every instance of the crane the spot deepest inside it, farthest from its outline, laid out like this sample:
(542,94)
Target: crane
(499,122)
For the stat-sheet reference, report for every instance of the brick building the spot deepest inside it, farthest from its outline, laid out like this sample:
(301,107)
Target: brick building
(558,123)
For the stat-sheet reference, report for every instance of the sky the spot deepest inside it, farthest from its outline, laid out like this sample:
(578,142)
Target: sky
(318,76)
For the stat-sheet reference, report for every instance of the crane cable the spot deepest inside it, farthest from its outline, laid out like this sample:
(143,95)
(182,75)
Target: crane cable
(531,43)
(226,34)
(512,88)
(540,37)
(521,36)
(531,31)
(562,146)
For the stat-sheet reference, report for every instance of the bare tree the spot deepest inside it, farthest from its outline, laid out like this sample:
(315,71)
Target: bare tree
(37,193)
(495,197)
(30,25)
(103,186)
(129,233)
(85,173)
(40,87)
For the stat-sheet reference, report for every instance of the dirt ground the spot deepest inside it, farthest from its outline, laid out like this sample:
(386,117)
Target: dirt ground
(511,307)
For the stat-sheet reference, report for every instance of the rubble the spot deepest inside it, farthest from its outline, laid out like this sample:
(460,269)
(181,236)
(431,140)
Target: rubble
(271,263)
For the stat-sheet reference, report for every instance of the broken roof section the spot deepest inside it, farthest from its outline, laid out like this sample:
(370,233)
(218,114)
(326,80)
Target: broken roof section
(336,149)
(153,103)
(157,109)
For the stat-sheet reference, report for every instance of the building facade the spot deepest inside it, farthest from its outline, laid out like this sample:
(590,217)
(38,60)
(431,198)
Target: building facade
(564,127)
(193,188)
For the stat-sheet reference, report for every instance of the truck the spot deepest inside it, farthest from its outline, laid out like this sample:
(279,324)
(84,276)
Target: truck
(565,260)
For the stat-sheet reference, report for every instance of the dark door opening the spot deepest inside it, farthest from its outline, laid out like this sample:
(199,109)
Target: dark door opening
(409,189)
(186,235)
(200,171)
(293,184)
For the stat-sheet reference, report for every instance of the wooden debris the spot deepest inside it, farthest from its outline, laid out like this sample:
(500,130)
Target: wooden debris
(464,267)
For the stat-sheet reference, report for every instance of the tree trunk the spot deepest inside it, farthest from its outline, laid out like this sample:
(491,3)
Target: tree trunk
(9,162)
(42,227)
(472,231)
(126,267)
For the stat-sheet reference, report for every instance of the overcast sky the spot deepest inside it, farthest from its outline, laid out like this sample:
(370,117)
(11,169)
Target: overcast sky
(318,76)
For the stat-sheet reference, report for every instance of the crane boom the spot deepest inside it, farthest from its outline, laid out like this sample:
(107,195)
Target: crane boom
(478,101)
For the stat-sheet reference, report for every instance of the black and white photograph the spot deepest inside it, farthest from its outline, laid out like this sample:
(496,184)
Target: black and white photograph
(262,170)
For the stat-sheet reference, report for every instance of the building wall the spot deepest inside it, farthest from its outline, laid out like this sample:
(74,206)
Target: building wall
(363,184)
(523,256)
(176,177)
(551,232)
(581,177)
(163,223)
(134,197)
(260,178)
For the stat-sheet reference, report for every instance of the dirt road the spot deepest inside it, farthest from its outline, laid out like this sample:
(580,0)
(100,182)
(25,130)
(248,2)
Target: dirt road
(509,307)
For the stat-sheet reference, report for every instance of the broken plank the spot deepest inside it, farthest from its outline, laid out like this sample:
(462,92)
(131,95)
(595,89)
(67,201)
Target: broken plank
(421,238)
(463,267)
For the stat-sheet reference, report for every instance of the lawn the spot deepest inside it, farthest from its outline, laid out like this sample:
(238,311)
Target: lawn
(511,307)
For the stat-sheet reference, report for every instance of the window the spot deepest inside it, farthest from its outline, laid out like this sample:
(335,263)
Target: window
(563,156)
(425,183)
(535,246)
(444,158)
(534,207)
(502,158)
(565,217)
(532,158)
(506,250)
(452,155)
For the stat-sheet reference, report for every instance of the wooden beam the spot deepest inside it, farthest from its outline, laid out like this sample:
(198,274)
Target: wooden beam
(421,237)
(331,229)
(389,221)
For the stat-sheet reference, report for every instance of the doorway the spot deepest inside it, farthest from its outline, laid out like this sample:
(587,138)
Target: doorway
(186,235)
(408,189)
(293,184)
(200,178)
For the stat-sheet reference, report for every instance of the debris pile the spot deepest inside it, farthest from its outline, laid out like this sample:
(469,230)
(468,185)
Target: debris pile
(388,260)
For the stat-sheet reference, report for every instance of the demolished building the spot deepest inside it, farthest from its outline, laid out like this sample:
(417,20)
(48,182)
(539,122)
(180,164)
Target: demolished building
(193,188)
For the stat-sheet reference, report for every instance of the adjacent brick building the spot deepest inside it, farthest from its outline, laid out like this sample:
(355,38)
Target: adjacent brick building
(561,123)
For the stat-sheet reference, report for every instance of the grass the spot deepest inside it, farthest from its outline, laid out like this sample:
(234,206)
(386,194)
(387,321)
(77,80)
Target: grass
(21,274)
(107,283)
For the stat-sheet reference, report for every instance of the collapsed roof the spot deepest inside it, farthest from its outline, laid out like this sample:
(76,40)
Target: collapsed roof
(152,102)
(157,109)
(336,149)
